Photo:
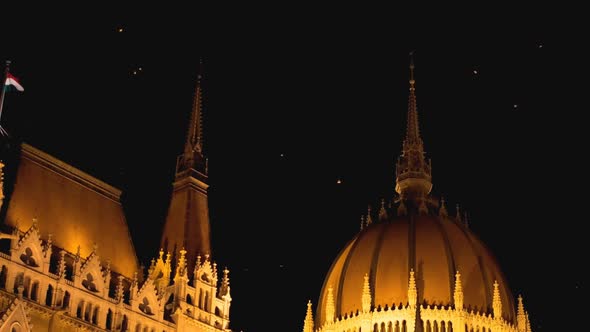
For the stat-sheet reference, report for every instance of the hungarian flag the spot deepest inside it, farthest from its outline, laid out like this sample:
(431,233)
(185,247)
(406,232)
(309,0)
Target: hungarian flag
(12,81)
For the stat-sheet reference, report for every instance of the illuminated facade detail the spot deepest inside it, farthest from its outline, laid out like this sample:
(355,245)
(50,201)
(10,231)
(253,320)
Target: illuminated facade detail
(416,267)
(59,271)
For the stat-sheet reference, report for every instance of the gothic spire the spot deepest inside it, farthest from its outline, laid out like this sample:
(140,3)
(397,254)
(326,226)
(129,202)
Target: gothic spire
(192,156)
(413,173)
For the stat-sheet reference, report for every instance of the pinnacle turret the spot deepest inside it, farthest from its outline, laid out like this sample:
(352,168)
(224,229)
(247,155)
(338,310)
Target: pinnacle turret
(521,323)
(412,291)
(496,301)
(308,322)
(458,293)
(330,307)
(366,296)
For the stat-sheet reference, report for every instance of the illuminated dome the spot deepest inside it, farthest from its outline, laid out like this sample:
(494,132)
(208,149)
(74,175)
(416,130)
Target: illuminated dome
(412,267)
(435,247)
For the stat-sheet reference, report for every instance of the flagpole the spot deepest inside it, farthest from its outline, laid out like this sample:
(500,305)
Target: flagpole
(2,91)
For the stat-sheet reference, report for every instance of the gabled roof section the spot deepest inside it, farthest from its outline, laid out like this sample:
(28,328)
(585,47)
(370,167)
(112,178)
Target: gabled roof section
(73,206)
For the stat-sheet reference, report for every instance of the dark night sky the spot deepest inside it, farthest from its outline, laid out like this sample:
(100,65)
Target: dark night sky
(291,104)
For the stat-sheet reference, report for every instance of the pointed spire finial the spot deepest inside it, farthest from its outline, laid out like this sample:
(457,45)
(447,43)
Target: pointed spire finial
(520,315)
(369,218)
(61,265)
(496,301)
(330,307)
(119,292)
(458,293)
(308,322)
(225,280)
(366,296)
(412,291)
(362,222)
(181,265)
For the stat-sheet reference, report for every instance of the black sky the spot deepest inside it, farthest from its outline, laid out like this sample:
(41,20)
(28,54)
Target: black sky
(294,103)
